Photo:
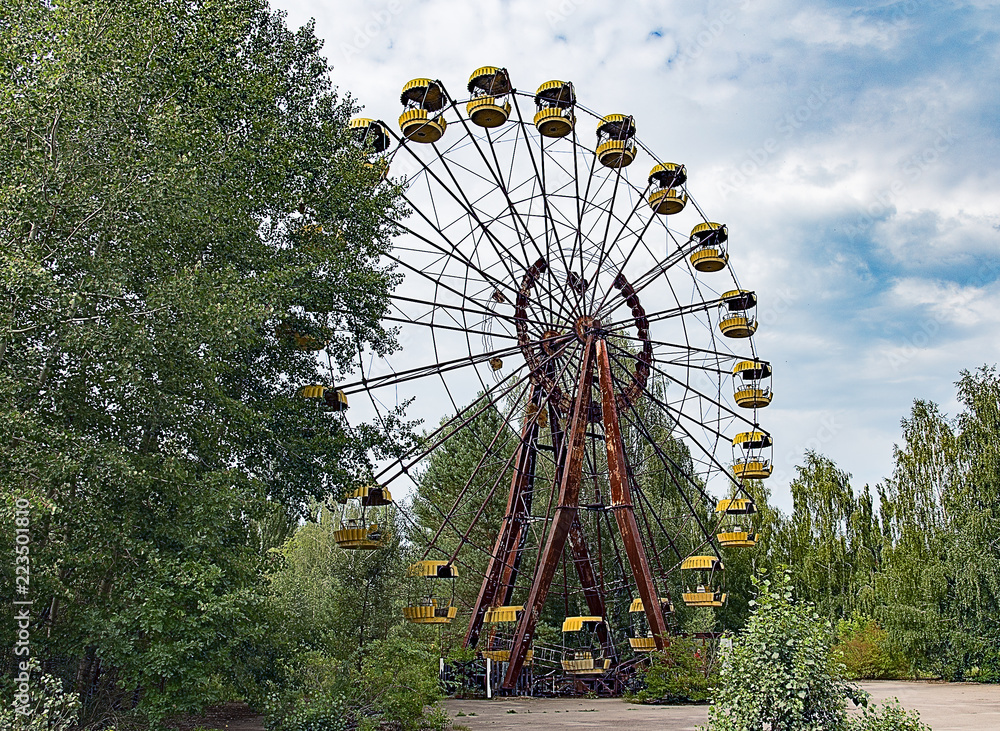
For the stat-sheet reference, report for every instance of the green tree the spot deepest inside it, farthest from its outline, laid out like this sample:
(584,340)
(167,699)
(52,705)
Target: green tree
(939,591)
(743,564)
(336,630)
(832,542)
(178,192)
(911,597)
(817,540)
(683,672)
(334,601)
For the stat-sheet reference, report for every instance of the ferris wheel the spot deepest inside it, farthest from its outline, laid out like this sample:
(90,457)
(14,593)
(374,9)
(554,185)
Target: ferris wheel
(559,275)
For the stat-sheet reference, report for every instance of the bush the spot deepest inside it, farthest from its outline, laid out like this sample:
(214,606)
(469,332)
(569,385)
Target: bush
(316,698)
(396,688)
(399,684)
(866,651)
(889,717)
(684,672)
(779,674)
(50,708)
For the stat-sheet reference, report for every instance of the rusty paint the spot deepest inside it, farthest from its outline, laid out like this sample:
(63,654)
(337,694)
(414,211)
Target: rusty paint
(621,500)
(565,514)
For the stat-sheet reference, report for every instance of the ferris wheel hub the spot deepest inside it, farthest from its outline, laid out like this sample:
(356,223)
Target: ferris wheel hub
(585,325)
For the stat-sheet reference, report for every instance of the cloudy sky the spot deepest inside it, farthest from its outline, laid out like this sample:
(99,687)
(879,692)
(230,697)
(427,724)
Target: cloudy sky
(851,149)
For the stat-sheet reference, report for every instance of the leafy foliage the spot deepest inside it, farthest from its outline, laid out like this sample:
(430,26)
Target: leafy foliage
(684,672)
(888,717)
(778,674)
(178,191)
(830,542)
(50,707)
(939,590)
(920,557)
(867,651)
(346,659)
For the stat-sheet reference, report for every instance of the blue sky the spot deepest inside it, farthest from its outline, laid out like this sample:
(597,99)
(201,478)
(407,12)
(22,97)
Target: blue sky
(851,149)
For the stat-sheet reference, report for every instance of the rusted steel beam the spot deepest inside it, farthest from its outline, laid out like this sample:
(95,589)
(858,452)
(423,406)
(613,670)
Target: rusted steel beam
(588,581)
(621,500)
(513,527)
(582,561)
(585,568)
(512,563)
(565,514)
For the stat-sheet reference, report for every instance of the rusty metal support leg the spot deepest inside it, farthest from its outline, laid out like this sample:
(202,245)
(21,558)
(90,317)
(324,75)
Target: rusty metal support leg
(499,569)
(578,541)
(512,564)
(585,568)
(621,500)
(565,514)
(588,581)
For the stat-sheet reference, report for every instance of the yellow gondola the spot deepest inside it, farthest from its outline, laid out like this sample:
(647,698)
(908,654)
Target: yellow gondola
(489,86)
(555,101)
(290,333)
(667,196)
(736,528)
(587,656)
(500,622)
(422,98)
(373,132)
(334,399)
(370,132)
(710,254)
(706,593)
(752,384)
(642,639)
(541,415)
(428,602)
(754,463)
(738,319)
(615,136)
(365,519)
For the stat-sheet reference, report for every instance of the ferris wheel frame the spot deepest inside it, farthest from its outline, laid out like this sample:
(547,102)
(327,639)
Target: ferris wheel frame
(561,326)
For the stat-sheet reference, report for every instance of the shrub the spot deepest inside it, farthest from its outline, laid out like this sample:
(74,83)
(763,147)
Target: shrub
(396,688)
(866,651)
(316,698)
(399,684)
(50,708)
(684,672)
(779,674)
(889,717)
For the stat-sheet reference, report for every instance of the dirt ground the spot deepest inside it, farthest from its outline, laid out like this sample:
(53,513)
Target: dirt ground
(945,706)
